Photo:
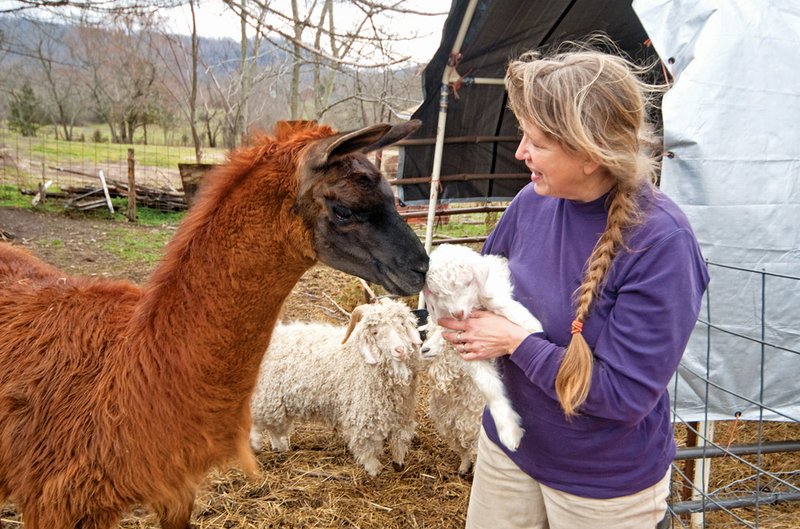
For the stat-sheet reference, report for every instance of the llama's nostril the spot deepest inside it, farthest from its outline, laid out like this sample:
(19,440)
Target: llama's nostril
(459,315)
(401,352)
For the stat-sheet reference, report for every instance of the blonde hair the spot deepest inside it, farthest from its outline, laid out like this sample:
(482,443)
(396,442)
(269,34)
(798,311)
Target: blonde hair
(595,104)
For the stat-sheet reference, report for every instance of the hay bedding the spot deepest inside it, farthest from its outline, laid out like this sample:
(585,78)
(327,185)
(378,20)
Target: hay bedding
(318,485)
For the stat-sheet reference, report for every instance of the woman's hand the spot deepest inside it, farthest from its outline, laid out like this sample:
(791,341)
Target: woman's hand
(483,335)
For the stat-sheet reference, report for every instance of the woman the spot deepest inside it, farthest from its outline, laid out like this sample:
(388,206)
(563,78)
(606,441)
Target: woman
(612,269)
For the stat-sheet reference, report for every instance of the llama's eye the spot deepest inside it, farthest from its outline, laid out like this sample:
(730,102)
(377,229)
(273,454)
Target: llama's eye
(342,213)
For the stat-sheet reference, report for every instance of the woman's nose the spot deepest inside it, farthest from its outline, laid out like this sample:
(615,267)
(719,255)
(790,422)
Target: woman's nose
(522,149)
(519,154)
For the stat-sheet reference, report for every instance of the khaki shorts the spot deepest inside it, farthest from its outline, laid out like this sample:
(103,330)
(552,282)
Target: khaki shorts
(505,497)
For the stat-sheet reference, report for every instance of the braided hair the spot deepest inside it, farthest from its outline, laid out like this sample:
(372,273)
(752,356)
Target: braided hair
(595,104)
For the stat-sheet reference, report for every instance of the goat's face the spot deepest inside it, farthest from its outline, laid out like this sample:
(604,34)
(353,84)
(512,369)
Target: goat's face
(386,332)
(454,282)
(350,210)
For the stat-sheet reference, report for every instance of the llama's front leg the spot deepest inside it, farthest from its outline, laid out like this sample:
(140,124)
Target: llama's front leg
(44,518)
(177,517)
(489,383)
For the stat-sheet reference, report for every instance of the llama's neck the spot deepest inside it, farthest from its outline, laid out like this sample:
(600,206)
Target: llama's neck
(223,281)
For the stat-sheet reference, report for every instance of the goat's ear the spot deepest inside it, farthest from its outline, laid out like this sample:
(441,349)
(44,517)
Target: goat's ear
(367,353)
(395,134)
(355,317)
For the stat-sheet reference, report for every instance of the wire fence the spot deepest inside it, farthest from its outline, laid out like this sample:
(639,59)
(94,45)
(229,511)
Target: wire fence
(736,472)
(29,161)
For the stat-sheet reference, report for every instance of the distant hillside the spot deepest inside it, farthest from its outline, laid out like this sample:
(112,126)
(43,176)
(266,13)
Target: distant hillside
(20,36)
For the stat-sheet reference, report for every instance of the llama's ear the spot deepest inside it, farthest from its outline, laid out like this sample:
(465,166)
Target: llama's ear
(353,141)
(395,134)
(369,138)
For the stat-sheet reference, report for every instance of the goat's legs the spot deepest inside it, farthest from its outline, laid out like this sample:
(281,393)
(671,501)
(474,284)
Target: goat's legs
(489,383)
(278,431)
(367,450)
(399,441)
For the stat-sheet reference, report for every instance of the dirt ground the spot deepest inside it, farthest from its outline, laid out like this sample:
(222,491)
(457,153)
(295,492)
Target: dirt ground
(317,484)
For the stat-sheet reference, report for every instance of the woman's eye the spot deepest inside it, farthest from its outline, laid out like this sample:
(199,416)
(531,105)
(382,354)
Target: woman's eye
(342,213)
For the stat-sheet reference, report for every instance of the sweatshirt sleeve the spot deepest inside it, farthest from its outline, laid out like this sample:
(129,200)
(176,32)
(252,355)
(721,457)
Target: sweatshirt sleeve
(639,346)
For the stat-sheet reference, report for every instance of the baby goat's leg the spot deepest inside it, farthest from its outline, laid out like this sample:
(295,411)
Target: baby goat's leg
(489,383)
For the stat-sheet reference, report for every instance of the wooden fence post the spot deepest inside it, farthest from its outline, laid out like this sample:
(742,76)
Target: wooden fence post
(131,213)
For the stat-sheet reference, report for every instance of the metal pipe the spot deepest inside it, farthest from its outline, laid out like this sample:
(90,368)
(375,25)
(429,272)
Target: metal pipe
(444,94)
(749,500)
(697,452)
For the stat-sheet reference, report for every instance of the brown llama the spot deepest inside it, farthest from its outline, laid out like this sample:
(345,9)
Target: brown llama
(18,264)
(113,395)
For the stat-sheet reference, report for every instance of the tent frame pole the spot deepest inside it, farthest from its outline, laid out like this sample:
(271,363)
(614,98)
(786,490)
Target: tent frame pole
(444,96)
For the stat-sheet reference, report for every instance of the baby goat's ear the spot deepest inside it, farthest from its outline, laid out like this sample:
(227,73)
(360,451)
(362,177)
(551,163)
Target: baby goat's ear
(481,270)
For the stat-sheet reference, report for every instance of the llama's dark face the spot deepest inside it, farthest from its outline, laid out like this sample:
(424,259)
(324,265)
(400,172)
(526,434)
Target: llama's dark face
(350,208)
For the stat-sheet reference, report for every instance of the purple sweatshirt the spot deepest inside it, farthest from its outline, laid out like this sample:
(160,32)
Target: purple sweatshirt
(621,442)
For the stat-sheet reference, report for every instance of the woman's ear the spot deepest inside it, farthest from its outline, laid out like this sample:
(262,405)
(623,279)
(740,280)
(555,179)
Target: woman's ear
(590,166)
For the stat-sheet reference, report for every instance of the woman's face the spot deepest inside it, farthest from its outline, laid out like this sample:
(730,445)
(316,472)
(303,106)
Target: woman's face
(559,173)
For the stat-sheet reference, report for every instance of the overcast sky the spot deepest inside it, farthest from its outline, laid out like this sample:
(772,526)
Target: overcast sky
(214,19)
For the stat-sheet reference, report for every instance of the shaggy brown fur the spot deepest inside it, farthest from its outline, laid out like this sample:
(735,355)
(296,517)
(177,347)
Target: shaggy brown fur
(17,264)
(113,395)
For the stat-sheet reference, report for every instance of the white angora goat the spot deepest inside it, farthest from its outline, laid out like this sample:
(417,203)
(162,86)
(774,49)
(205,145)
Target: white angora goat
(455,404)
(458,281)
(361,380)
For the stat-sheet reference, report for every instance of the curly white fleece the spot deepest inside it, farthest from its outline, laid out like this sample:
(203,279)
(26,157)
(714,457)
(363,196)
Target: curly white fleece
(364,387)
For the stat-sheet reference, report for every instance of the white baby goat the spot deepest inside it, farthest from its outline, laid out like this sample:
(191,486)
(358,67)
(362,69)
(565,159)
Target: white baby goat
(458,281)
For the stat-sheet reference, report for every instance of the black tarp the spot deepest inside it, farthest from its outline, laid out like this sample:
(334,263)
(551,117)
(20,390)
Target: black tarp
(500,30)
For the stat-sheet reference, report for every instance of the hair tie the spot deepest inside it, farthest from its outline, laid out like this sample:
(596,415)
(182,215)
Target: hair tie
(577,326)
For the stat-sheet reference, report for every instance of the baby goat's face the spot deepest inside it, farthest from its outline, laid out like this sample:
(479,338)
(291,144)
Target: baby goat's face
(455,295)
(454,281)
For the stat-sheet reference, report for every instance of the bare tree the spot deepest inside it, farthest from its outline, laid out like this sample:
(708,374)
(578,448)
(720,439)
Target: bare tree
(313,35)
(259,70)
(119,64)
(58,79)
(103,7)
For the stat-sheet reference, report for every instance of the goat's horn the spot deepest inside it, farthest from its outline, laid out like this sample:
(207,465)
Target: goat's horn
(355,317)
(369,294)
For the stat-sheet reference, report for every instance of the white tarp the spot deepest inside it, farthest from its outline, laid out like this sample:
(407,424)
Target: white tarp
(732,121)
